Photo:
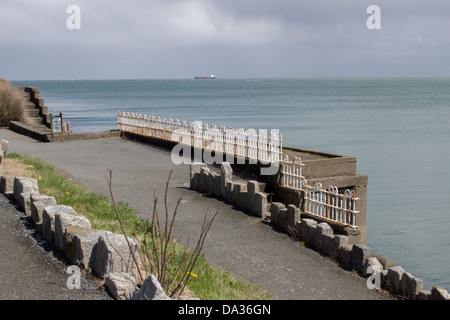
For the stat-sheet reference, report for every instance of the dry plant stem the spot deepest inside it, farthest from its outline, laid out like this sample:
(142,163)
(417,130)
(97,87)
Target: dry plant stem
(186,275)
(163,248)
(121,225)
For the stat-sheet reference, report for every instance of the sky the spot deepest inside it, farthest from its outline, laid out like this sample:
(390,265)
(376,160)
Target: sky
(159,39)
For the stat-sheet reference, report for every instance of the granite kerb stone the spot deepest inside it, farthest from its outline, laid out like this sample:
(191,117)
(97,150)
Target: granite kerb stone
(80,244)
(65,219)
(38,204)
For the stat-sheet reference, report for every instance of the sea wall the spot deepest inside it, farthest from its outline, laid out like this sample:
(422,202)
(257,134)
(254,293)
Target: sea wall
(319,167)
(337,242)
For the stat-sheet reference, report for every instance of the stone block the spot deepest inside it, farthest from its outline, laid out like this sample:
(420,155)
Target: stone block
(345,255)
(4,146)
(236,193)
(394,278)
(24,202)
(151,289)
(64,218)
(229,192)
(308,229)
(385,262)
(410,286)
(424,295)
(439,293)
(48,221)
(383,279)
(282,213)
(292,216)
(322,229)
(6,184)
(374,264)
(226,175)
(360,253)
(80,245)
(242,198)
(339,241)
(275,209)
(195,170)
(113,255)
(121,285)
(37,207)
(217,185)
(24,185)
(326,244)
(260,199)
(203,183)
(213,177)
(252,188)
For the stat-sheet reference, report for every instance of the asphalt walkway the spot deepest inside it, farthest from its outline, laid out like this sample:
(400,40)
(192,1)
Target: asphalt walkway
(237,242)
(29,271)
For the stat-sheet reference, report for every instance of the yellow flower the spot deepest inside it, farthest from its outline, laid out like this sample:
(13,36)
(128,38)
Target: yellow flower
(192,274)
(40,178)
(68,193)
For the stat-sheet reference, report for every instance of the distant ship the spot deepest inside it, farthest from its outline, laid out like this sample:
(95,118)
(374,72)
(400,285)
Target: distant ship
(210,77)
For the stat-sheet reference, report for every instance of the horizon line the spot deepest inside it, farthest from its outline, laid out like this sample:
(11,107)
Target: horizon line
(244,78)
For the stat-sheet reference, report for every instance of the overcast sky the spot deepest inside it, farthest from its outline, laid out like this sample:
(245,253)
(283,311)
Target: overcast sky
(149,39)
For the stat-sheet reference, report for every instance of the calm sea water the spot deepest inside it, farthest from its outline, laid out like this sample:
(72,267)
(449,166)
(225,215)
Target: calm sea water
(399,130)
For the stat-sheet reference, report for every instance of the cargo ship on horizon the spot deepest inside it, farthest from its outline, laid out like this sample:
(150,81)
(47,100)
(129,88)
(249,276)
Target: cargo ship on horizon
(202,77)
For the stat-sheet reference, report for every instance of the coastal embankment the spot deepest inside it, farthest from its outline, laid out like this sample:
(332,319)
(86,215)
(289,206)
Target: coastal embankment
(260,222)
(237,242)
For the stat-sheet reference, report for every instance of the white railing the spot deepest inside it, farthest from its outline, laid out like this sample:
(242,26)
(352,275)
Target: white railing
(291,173)
(330,205)
(327,204)
(256,146)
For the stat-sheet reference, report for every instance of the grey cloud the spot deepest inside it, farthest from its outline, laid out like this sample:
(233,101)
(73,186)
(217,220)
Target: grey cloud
(173,38)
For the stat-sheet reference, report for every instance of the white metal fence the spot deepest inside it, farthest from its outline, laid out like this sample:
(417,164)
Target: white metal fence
(257,146)
(328,204)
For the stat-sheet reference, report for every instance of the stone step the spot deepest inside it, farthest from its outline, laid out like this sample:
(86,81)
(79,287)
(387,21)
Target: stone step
(30,105)
(33,113)
(37,121)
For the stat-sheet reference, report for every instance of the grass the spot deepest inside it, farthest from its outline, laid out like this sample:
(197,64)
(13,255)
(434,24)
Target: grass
(207,282)
(12,105)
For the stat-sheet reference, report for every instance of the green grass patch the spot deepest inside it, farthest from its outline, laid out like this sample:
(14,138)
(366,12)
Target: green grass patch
(207,282)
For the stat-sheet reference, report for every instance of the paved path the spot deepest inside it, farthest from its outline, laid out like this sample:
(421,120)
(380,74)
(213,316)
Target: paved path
(28,271)
(241,244)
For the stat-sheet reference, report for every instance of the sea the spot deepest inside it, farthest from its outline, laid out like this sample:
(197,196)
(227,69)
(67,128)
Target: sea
(397,128)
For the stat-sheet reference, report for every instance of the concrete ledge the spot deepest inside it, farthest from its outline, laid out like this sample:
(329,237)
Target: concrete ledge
(109,134)
(29,131)
(44,135)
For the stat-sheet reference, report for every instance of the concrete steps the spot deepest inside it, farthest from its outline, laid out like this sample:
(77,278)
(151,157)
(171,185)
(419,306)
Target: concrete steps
(36,110)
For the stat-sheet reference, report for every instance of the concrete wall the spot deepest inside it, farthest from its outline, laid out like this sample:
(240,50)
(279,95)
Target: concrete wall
(326,168)
(340,243)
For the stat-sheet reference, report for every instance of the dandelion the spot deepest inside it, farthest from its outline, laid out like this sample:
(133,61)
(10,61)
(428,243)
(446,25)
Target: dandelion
(67,193)
(192,274)
(40,178)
